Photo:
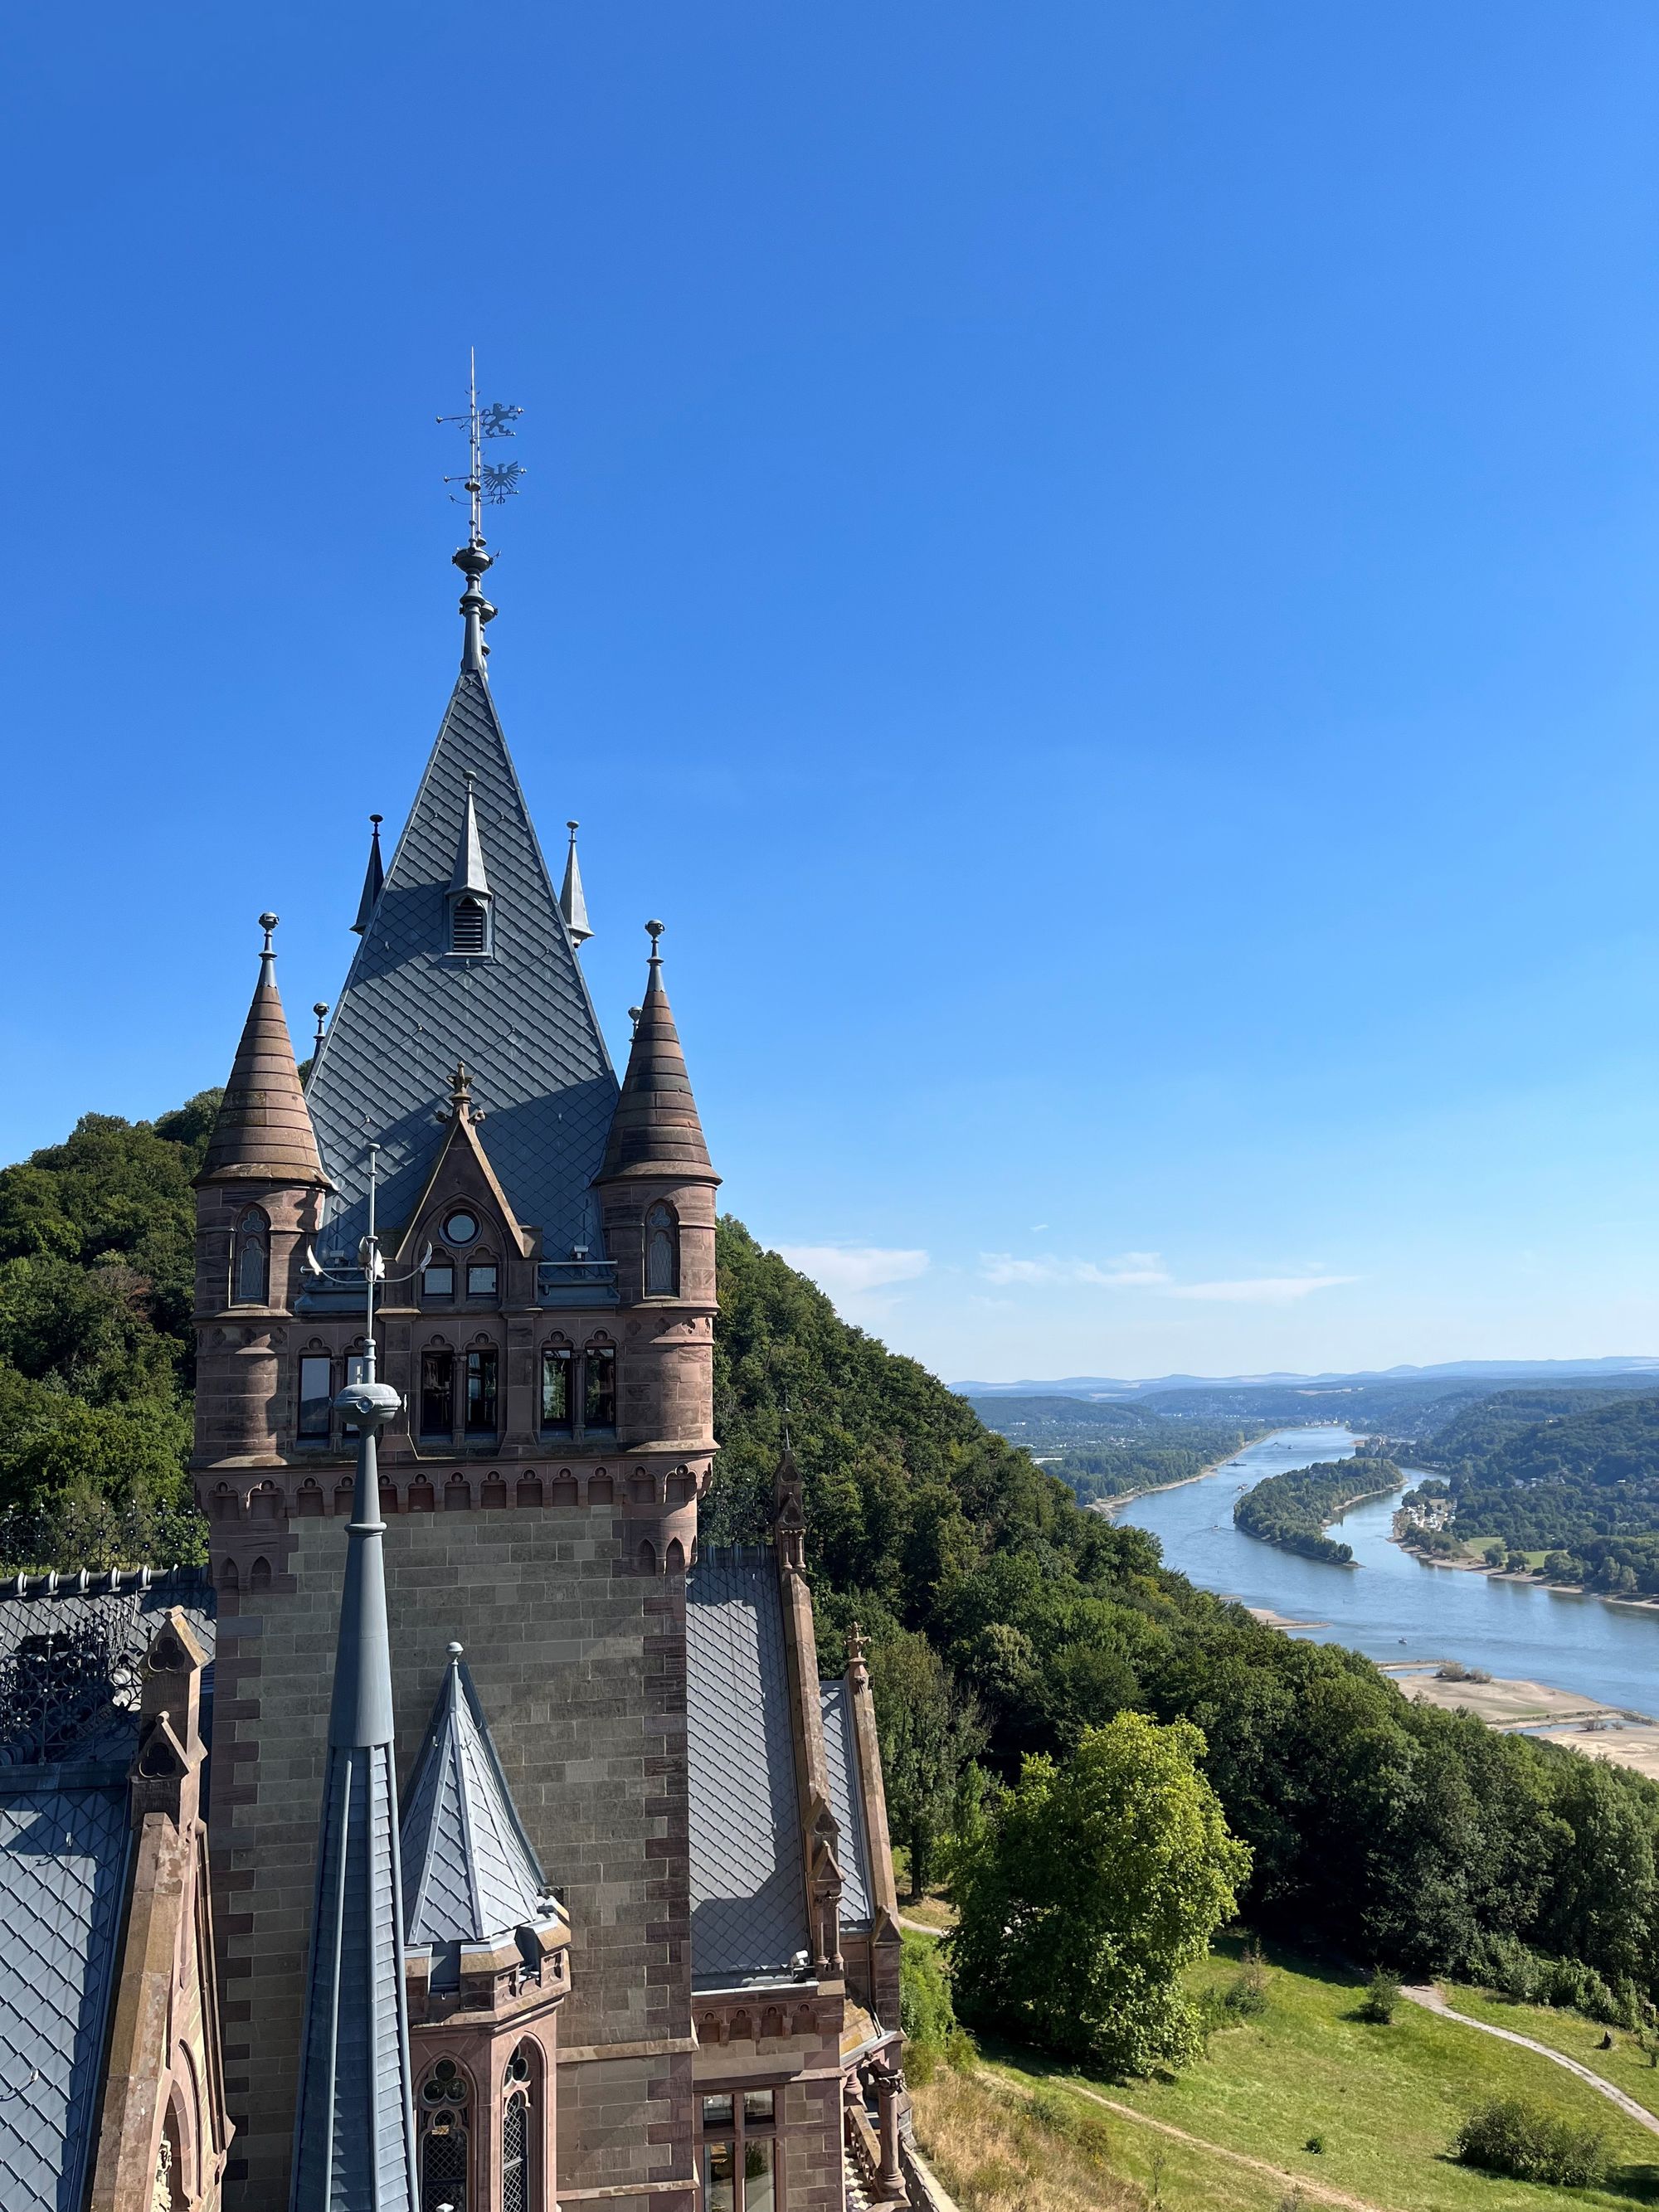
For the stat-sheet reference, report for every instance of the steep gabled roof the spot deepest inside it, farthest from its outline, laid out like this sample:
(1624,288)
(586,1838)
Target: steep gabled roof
(470,1874)
(847,1803)
(748,1886)
(520,1019)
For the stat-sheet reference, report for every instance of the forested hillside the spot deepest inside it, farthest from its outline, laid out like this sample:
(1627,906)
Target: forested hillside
(1542,1471)
(95,1349)
(1103,1449)
(1004,1619)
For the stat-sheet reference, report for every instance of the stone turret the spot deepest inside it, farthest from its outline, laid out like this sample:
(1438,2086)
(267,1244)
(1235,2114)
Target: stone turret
(656,1187)
(258,1201)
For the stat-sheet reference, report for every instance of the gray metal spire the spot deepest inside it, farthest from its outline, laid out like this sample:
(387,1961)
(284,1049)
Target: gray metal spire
(354,2140)
(468,873)
(572,904)
(374,877)
(473,1877)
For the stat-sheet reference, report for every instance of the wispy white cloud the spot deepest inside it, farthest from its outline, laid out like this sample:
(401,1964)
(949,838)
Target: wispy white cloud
(1136,1271)
(1128,1271)
(1261,1290)
(846,1270)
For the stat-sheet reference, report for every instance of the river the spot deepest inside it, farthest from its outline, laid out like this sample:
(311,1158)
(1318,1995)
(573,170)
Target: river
(1391,1606)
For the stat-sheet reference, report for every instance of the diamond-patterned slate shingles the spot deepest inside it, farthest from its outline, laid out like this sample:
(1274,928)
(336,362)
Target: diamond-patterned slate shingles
(847,1803)
(469,1873)
(63,1859)
(748,1887)
(521,1019)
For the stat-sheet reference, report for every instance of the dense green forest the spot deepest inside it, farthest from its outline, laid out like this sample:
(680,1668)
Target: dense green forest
(96,1267)
(1291,1509)
(1004,1620)
(1574,1474)
(1166,1451)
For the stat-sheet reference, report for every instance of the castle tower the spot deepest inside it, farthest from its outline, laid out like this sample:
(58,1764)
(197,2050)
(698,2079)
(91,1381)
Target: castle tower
(538,1484)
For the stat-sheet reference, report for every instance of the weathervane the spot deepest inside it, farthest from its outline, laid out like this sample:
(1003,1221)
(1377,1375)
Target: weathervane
(482,480)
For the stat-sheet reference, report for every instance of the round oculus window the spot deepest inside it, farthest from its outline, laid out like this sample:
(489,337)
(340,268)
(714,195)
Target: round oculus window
(460,1229)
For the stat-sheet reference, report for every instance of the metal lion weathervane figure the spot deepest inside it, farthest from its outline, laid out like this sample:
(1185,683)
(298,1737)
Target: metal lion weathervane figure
(484,480)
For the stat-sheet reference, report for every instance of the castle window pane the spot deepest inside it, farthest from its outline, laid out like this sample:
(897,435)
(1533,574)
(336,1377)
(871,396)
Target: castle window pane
(437,1394)
(717,2112)
(719,2177)
(515,2155)
(481,1394)
(557,1408)
(481,1280)
(316,1371)
(251,1262)
(759,2109)
(757,2190)
(438,1280)
(599,1387)
(662,1252)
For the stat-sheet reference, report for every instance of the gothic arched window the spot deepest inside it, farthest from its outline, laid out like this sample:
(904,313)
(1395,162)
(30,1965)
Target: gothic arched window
(446,2113)
(662,1252)
(519,2192)
(250,1272)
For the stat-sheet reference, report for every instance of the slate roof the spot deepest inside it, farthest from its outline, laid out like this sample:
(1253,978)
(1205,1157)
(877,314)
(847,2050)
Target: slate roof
(847,1803)
(748,1886)
(62,1876)
(470,1874)
(69,1729)
(520,1019)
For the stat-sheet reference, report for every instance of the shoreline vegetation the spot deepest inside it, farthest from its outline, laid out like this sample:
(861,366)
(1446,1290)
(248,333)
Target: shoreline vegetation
(1293,1510)
(1179,1482)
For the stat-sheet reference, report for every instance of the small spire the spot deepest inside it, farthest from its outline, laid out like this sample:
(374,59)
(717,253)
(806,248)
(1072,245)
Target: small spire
(655,1130)
(263,1132)
(374,877)
(858,1646)
(321,1012)
(571,905)
(468,874)
(460,1092)
(355,2127)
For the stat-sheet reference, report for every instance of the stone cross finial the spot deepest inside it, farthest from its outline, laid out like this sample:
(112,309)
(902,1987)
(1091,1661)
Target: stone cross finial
(858,1673)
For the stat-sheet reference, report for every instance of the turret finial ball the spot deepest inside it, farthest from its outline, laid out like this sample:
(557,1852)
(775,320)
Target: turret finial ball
(267,921)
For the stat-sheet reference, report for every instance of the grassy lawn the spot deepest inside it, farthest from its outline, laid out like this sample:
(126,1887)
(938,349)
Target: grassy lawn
(1386,2102)
(1626,2065)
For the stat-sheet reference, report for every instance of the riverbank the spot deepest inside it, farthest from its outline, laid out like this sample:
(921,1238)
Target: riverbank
(1529,1577)
(1536,1708)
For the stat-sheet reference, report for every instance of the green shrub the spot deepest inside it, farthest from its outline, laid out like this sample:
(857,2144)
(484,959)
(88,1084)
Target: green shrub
(926,2014)
(1381,1995)
(1530,2143)
(1247,1997)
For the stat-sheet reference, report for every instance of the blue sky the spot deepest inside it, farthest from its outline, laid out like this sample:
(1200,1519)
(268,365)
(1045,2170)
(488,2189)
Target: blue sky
(1098,564)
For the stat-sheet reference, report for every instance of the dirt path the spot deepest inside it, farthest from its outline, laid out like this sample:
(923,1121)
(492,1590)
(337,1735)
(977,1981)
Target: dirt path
(919,1927)
(1234,2157)
(1426,1995)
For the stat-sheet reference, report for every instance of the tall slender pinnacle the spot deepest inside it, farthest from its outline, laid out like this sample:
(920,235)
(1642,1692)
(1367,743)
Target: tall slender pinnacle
(354,2148)
(374,877)
(263,1133)
(655,1130)
(572,904)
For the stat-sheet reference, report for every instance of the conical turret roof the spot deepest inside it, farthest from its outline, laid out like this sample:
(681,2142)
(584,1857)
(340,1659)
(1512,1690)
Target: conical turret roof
(264,1132)
(655,1130)
(469,1876)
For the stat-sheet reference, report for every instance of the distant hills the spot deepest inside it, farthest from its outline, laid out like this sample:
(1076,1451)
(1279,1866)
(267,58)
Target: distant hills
(1638,1367)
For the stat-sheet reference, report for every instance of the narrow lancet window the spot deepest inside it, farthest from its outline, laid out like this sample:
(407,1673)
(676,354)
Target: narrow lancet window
(662,1252)
(251,1260)
(599,1387)
(557,1408)
(481,1392)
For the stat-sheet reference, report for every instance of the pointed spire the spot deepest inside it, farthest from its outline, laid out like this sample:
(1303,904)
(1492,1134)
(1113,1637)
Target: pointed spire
(468,873)
(475,610)
(470,1873)
(354,2146)
(373,877)
(263,1133)
(571,905)
(655,1130)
